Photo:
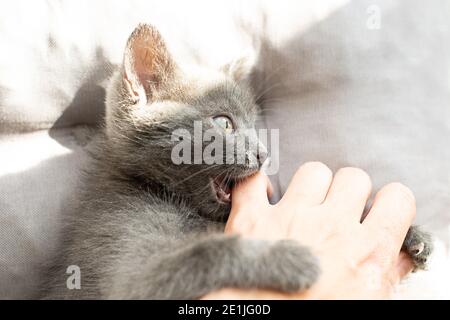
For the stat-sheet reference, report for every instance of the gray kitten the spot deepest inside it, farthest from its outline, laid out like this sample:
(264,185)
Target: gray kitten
(147,228)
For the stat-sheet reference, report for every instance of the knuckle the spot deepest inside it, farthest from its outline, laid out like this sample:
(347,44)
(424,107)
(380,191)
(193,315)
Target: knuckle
(357,173)
(318,167)
(401,190)
(315,165)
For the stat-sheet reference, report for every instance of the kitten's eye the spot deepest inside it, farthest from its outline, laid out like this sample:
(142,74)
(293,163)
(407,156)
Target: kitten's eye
(225,123)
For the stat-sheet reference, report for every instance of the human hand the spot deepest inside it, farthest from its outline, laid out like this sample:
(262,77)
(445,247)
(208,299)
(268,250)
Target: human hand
(357,260)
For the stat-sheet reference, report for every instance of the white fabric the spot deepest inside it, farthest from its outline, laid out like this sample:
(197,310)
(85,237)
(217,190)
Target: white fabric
(339,92)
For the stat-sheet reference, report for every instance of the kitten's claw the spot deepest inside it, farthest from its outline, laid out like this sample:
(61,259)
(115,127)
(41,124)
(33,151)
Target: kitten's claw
(417,248)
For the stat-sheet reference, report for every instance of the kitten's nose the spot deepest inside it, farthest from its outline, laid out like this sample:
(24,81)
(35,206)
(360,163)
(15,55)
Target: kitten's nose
(261,156)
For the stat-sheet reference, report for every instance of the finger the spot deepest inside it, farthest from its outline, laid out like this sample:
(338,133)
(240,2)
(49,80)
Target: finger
(252,191)
(269,188)
(391,215)
(310,184)
(349,192)
(401,268)
(404,265)
(247,199)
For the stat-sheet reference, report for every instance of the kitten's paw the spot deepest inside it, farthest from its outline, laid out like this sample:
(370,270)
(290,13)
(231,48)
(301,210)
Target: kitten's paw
(291,267)
(419,245)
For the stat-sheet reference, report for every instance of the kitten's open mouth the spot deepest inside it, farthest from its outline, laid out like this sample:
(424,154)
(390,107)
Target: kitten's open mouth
(222,188)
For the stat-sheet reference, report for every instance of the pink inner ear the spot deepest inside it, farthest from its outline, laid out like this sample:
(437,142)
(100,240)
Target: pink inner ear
(146,61)
(143,63)
(138,68)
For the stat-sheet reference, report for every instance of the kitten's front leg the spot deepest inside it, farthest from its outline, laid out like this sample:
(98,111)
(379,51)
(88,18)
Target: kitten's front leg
(191,269)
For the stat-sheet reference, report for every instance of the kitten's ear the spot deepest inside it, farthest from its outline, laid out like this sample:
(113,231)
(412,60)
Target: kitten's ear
(240,69)
(147,63)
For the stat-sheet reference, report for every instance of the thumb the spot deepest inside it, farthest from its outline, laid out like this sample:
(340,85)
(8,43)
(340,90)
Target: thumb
(252,190)
(248,197)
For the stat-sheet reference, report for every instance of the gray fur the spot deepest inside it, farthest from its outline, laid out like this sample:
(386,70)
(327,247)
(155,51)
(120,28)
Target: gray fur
(419,245)
(145,228)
